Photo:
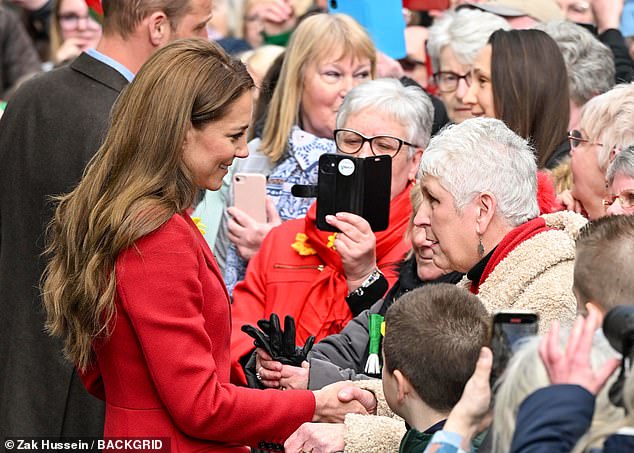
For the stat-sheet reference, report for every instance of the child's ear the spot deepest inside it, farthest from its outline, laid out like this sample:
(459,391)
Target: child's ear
(402,385)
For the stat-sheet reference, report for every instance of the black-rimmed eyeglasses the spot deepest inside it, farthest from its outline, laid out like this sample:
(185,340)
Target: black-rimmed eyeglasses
(447,81)
(350,142)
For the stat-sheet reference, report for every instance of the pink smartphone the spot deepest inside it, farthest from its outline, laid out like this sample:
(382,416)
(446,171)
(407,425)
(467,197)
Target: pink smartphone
(249,194)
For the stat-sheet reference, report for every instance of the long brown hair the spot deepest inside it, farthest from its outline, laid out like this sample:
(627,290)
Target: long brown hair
(134,184)
(530,88)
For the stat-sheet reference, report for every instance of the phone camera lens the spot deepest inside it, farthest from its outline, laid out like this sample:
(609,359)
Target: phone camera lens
(333,4)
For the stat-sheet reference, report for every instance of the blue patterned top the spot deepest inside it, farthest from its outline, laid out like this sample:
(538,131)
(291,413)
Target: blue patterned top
(299,166)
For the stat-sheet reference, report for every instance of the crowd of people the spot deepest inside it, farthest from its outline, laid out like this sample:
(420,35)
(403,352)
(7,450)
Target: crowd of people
(140,302)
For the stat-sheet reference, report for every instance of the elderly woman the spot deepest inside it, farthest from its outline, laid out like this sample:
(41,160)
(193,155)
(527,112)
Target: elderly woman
(621,184)
(454,41)
(345,355)
(312,286)
(520,78)
(606,127)
(479,180)
(326,57)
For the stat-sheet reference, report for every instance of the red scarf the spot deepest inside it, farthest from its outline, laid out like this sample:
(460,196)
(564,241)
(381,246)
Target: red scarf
(330,288)
(512,239)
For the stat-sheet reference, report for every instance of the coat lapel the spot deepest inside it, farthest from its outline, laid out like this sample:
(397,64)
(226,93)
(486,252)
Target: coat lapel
(100,72)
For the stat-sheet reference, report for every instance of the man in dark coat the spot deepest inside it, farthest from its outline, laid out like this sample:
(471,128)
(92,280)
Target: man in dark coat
(50,130)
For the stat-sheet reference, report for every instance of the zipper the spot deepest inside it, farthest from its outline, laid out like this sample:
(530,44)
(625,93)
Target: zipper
(319,267)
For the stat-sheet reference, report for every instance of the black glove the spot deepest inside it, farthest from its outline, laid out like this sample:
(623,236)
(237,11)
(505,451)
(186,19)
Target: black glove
(280,345)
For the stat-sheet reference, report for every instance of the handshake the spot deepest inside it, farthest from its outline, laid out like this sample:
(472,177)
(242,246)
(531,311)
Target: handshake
(278,343)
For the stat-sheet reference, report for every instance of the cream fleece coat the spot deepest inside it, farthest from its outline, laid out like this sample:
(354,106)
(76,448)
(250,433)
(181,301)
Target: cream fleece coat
(538,274)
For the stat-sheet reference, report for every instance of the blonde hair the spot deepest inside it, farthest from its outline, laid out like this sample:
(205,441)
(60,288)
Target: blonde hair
(609,119)
(316,38)
(526,373)
(134,184)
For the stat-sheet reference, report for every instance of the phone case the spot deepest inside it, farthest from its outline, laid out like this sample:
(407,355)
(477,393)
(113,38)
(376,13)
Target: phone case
(249,194)
(383,20)
(357,185)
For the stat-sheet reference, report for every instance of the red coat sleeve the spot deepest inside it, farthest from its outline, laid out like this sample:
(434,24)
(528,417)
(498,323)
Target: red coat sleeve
(161,291)
(93,382)
(249,298)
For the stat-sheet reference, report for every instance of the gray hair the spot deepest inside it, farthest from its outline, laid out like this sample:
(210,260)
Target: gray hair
(526,373)
(483,154)
(609,119)
(590,63)
(467,31)
(622,163)
(410,106)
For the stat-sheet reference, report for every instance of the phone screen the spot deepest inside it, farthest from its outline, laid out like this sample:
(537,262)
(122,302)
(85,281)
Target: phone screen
(508,329)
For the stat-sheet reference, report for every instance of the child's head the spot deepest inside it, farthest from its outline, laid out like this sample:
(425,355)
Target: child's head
(433,337)
(603,263)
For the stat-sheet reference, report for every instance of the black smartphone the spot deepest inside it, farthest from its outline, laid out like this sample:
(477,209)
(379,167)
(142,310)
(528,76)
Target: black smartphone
(508,328)
(357,185)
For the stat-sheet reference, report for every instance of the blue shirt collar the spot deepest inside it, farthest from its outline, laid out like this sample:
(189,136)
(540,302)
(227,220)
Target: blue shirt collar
(114,64)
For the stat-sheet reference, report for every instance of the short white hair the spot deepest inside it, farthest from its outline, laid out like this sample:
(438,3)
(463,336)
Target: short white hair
(410,106)
(483,154)
(590,63)
(609,119)
(623,163)
(466,31)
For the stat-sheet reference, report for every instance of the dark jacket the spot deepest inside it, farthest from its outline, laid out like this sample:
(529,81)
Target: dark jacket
(18,57)
(554,418)
(343,356)
(49,131)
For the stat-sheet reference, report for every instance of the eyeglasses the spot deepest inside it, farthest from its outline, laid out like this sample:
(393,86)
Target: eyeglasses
(576,138)
(70,21)
(447,81)
(350,142)
(626,199)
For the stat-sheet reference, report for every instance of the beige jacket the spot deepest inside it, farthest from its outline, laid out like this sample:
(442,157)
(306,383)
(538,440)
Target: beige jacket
(538,274)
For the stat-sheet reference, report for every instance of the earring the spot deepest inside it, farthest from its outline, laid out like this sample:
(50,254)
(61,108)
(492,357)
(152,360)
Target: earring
(480,247)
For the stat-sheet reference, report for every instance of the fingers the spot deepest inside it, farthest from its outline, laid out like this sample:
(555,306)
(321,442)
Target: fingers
(483,365)
(239,218)
(262,355)
(604,374)
(271,212)
(351,225)
(364,397)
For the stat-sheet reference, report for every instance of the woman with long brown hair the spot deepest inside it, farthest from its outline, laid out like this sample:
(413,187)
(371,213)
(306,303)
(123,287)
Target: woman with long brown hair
(132,287)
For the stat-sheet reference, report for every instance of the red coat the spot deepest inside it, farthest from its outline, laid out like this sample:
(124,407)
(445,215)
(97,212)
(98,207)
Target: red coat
(164,371)
(310,288)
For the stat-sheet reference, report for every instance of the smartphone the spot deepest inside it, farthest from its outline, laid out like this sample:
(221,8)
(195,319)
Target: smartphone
(383,20)
(249,194)
(360,186)
(507,329)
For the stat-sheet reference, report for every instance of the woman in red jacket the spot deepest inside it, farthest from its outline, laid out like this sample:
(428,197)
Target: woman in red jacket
(132,287)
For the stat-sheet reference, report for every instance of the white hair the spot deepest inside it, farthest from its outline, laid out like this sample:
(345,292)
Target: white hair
(622,163)
(466,31)
(410,106)
(483,154)
(609,119)
(590,63)
(526,373)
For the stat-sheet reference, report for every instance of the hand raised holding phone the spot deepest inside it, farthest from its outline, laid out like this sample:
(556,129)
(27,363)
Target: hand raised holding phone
(253,214)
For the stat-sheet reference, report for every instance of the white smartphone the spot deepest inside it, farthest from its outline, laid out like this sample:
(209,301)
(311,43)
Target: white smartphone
(249,194)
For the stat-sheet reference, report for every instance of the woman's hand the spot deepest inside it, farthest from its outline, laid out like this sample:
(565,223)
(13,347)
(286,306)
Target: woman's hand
(334,401)
(569,202)
(269,370)
(317,438)
(356,244)
(69,49)
(574,367)
(277,16)
(247,234)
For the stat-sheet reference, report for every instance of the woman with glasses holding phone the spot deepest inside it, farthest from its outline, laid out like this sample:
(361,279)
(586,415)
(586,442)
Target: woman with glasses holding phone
(606,127)
(319,277)
(73,30)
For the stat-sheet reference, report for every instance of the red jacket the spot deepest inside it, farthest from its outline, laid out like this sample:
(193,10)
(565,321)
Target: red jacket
(164,371)
(310,288)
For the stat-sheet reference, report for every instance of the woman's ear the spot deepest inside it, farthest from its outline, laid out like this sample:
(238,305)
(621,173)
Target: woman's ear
(486,206)
(415,164)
